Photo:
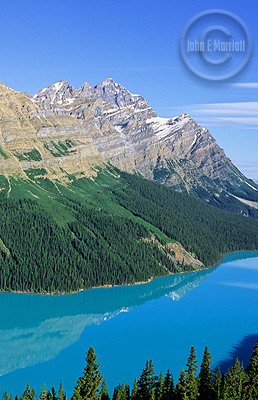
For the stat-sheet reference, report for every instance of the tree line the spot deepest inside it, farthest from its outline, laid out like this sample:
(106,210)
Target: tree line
(237,384)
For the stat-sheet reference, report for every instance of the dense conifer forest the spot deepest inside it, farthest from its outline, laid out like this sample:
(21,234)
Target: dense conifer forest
(237,384)
(202,229)
(112,231)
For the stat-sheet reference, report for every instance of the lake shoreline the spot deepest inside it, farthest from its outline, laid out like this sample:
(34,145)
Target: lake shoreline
(44,338)
(131,284)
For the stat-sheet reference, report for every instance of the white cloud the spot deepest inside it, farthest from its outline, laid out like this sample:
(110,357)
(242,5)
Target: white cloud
(244,108)
(246,85)
(243,120)
(237,114)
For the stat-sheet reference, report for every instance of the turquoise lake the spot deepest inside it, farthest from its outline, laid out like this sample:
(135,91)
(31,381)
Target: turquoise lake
(45,338)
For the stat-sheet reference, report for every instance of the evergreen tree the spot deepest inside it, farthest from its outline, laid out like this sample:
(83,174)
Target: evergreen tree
(147,382)
(29,394)
(252,375)
(134,390)
(205,377)
(5,396)
(60,395)
(222,387)
(159,387)
(181,386)
(115,392)
(104,391)
(235,379)
(191,376)
(87,386)
(26,394)
(168,387)
(43,393)
(77,392)
(52,394)
(217,383)
(127,391)
(33,394)
(121,392)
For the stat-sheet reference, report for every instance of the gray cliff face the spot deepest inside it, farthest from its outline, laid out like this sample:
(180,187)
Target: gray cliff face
(112,93)
(56,93)
(128,133)
(125,131)
(42,135)
(109,91)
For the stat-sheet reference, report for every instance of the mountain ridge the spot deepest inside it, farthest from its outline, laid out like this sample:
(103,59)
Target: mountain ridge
(126,132)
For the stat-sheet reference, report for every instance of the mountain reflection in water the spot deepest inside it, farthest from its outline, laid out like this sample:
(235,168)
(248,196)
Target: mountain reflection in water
(35,328)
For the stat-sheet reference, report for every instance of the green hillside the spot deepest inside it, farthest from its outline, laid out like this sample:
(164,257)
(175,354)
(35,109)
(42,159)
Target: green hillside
(113,229)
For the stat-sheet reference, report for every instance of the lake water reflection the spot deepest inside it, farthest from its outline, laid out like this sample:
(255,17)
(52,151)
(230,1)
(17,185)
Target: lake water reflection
(45,338)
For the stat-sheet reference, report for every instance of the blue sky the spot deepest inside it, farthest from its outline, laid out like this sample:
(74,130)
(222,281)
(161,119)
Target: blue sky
(136,44)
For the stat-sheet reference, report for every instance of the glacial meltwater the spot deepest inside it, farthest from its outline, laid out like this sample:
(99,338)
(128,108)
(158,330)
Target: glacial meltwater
(45,338)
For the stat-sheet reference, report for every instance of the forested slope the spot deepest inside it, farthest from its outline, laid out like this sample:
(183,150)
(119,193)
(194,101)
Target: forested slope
(110,230)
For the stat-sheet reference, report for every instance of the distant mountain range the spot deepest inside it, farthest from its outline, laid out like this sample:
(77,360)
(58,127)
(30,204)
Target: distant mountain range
(71,213)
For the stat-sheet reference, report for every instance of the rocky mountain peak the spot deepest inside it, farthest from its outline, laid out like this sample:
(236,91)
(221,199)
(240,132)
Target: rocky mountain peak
(56,93)
(111,92)
(114,93)
(85,90)
(181,119)
(108,81)
(106,123)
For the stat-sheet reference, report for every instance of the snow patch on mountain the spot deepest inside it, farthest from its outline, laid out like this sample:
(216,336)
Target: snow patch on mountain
(165,126)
